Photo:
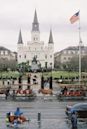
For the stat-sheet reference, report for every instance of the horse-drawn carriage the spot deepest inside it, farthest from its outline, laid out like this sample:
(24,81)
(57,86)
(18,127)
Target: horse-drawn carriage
(71,93)
(4,92)
(16,119)
(25,94)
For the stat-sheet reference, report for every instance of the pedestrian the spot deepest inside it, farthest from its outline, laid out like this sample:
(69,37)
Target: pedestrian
(18,112)
(7,93)
(65,89)
(13,94)
(74,120)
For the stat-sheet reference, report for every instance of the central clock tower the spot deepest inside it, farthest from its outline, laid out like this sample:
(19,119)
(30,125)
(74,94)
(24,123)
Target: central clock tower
(35,36)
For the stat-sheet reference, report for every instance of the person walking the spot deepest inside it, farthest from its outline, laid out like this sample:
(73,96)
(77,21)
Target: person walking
(7,93)
(74,120)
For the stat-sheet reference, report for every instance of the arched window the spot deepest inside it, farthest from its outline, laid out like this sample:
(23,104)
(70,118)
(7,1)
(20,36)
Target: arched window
(25,56)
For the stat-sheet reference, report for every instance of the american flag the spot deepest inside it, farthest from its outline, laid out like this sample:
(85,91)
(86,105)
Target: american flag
(74,18)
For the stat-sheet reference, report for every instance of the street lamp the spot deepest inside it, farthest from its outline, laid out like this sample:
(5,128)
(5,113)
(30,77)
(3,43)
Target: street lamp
(51,83)
(51,69)
(42,80)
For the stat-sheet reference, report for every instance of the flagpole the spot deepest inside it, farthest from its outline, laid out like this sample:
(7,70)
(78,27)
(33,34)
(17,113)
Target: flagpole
(80,43)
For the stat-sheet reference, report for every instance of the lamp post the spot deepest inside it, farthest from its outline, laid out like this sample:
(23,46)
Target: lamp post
(51,70)
(42,80)
(51,83)
(20,82)
(28,82)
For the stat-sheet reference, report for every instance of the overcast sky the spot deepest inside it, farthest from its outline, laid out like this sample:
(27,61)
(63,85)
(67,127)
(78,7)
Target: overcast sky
(55,14)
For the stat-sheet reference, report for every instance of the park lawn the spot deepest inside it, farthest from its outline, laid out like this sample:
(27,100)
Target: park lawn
(9,74)
(55,74)
(59,74)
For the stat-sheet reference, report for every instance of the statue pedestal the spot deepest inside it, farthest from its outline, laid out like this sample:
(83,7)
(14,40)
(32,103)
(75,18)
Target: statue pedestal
(34,66)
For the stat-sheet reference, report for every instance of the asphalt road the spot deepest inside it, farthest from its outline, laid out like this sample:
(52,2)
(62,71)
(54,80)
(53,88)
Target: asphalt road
(52,114)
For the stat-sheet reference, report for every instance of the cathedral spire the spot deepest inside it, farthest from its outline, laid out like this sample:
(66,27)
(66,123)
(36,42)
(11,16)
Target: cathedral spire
(20,41)
(35,24)
(35,17)
(50,37)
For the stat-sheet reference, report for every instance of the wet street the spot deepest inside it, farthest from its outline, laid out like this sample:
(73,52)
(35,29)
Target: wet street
(52,114)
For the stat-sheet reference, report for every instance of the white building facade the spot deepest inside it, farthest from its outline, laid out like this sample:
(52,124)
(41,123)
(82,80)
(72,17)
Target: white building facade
(36,48)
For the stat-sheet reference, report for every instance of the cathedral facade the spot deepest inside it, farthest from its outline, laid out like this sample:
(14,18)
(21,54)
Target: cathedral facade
(36,49)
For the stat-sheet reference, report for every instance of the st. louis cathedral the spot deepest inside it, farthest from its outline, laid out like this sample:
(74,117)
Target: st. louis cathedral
(35,49)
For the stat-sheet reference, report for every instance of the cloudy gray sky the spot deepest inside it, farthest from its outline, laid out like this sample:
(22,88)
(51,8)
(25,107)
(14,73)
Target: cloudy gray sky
(55,14)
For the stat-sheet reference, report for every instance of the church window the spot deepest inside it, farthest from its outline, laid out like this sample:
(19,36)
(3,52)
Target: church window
(45,56)
(1,52)
(64,58)
(19,56)
(36,38)
(25,56)
(6,52)
(69,52)
(50,56)
(69,58)
(51,64)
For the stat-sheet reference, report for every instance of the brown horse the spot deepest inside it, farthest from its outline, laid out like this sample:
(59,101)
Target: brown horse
(45,91)
(20,119)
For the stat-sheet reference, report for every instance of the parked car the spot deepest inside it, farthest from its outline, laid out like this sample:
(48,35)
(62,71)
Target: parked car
(79,108)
